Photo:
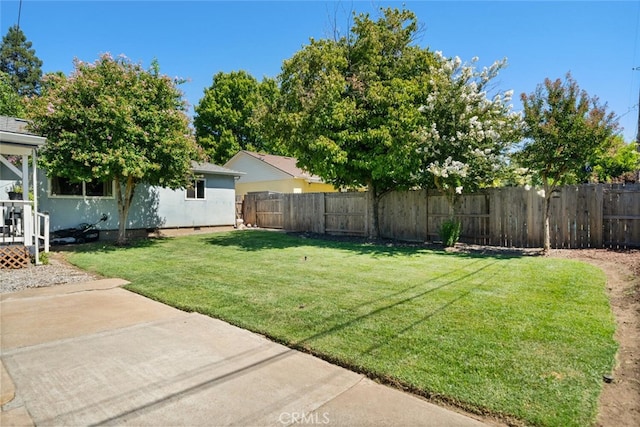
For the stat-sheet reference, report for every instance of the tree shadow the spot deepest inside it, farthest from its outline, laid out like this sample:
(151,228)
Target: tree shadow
(111,246)
(257,240)
(406,300)
(145,207)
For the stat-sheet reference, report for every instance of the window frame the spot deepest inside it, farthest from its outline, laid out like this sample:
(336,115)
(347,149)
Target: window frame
(83,192)
(194,187)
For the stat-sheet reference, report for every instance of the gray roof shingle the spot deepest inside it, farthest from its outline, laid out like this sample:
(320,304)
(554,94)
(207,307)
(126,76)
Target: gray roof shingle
(14,125)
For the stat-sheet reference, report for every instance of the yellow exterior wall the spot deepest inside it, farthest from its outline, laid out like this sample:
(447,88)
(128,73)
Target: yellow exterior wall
(293,185)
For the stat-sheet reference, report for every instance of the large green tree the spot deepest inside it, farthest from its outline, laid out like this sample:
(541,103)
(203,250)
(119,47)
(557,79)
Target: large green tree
(619,162)
(10,101)
(349,107)
(18,59)
(112,120)
(565,130)
(225,120)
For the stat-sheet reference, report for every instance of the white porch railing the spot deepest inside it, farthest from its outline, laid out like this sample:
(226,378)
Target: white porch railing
(42,230)
(20,225)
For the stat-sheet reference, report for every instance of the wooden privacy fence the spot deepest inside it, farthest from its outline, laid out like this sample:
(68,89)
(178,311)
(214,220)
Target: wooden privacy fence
(582,216)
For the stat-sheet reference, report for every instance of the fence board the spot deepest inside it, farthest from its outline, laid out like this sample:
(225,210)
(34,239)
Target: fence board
(304,212)
(345,213)
(269,211)
(403,215)
(593,215)
(621,216)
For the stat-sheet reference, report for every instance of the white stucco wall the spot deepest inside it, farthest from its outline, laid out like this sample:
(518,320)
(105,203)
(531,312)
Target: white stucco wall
(255,169)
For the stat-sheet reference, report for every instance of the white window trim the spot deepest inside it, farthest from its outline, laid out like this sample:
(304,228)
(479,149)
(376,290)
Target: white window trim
(192,199)
(84,193)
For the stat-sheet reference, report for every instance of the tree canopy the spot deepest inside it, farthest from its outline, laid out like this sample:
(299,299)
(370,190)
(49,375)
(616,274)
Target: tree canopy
(619,162)
(565,130)
(349,107)
(10,101)
(225,121)
(18,59)
(114,121)
(465,142)
(374,109)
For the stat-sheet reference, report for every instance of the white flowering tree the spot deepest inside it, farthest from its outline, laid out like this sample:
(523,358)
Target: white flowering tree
(465,141)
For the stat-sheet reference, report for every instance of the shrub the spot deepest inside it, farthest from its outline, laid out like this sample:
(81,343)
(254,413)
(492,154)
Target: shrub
(44,258)
(450,232)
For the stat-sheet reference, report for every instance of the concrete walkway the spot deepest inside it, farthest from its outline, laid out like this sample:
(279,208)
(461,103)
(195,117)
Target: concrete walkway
(96,354)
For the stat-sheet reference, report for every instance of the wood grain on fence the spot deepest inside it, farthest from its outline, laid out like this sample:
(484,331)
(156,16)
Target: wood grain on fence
(345,213)
(268,210)
(621,217)
(403,215)
(581,216)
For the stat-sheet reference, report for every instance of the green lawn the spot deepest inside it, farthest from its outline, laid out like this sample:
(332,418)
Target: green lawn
(528,338)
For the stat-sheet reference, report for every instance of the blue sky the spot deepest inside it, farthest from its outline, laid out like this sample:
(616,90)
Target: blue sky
(598,42)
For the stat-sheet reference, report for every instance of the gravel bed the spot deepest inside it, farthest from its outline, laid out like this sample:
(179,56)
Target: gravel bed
(57,272)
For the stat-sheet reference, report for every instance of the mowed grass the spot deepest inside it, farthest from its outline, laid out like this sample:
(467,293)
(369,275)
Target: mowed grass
(527,338)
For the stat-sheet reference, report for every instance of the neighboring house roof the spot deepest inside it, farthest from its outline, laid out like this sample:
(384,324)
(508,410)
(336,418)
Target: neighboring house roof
(14,125)
(15,138)
(215,169)
(284,164)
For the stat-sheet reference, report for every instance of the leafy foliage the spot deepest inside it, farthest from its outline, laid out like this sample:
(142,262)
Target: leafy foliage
(10,101)
(373,109)
(18,59)
(113,120)
(565,131)
(465,140)
(450,232)
(618,163)
(349,107)
(224,119)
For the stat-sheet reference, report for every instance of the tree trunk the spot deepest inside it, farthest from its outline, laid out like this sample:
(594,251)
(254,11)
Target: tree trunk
(547,226)
(124,203)
(373,202)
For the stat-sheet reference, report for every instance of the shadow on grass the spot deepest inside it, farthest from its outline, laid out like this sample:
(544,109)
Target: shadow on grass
(109,246)
(438,310)
(406,300)
(257,240)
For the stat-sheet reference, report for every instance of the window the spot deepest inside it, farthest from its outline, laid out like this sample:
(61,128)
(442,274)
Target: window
(60,186)
(196,189)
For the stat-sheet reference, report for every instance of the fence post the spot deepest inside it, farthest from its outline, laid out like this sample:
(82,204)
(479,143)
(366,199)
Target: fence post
(368,202)
(322,208)
(426,214)
(596,219)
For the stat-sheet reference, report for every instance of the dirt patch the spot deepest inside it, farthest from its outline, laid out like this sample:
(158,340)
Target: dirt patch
(620,399)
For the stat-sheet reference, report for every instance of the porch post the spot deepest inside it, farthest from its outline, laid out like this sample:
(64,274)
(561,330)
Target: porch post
(36,218)
(25,177)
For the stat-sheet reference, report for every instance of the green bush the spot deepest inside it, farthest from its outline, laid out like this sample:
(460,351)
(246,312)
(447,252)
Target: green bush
(450,232)
(44,258)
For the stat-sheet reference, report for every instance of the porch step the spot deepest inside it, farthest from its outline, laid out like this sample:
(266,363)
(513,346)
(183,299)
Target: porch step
(14,256)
